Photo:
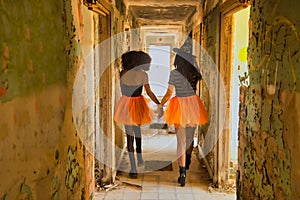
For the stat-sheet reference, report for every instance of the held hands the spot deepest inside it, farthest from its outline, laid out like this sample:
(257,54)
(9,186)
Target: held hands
(160,111)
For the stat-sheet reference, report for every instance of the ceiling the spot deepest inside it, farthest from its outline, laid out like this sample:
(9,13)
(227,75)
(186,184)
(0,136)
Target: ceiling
(162,12)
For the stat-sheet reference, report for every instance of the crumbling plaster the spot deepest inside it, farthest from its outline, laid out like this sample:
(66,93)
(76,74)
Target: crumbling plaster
(209,43)
(270,168)
(41,154)
(269,134)
(121,18)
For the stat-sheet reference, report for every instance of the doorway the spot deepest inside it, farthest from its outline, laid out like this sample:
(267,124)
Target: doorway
(239,73)
(234,71)
(160,68)
(99,159)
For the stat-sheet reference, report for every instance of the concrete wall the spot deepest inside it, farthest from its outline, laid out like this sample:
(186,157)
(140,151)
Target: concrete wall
(41,155)
(269,144)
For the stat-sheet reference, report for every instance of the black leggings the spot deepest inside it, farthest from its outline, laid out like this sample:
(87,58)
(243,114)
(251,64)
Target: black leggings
(190,132)
(131,133)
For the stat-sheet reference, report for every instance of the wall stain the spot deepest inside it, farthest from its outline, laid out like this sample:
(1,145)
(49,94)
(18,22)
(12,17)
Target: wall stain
(5,197)
(73,170)
(25,189)
(55,188)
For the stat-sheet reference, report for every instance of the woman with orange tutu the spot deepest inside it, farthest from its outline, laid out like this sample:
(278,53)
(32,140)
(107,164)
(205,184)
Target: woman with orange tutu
(132,109)
(185,110)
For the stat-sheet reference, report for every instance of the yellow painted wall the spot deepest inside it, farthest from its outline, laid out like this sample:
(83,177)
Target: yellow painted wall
(41,154)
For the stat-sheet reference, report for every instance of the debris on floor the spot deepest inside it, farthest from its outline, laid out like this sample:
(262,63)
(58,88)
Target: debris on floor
(228,188)
(118,185)
(111,187)
(132,185)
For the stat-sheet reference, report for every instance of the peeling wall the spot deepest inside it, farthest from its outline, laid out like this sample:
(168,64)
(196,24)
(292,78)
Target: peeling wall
(41,154)
(83,21)
(119,15)
(209,41)
(269,121)
(209,6)
(270,147)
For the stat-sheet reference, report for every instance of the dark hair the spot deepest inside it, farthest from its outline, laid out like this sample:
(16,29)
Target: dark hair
(142,60)
(186,66)
(132,59)
(129,60)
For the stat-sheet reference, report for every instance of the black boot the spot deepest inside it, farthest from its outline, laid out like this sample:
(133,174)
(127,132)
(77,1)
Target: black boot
(140,159)
(133,171)
(187,161)
(181,178)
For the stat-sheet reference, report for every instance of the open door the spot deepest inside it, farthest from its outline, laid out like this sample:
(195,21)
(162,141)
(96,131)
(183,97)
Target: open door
(234,72)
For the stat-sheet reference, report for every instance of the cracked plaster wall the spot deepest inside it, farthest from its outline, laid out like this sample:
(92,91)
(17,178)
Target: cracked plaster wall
(269,143)
(209,43)
(41,155)
(119,15)
(269,123)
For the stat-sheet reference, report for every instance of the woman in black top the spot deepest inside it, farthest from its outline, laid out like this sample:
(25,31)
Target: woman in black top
(132,109)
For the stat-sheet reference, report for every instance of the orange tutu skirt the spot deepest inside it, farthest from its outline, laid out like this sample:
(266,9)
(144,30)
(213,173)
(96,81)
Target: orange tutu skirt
(133,111)
(186,111)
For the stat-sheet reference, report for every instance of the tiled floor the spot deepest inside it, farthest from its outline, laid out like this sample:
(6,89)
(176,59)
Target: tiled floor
(155,184)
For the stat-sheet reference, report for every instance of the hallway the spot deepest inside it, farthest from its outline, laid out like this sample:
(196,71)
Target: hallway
(60,66)
(157,179)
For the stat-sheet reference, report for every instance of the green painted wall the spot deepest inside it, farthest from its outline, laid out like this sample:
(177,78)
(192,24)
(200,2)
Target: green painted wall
(41,156)
(269,132)
(30,46)
(271,169)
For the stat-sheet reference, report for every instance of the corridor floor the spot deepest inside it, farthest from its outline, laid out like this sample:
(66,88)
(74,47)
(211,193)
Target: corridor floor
(157,179)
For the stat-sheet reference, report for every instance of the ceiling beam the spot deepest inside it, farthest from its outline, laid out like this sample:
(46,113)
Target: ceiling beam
(161,3)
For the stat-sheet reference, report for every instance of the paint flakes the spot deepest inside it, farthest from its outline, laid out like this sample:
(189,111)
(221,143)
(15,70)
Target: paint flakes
(27,33)
(25,189)
(4,58)
(72,175)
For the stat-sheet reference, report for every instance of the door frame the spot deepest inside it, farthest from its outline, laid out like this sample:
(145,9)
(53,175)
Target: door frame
(227,9)
(104,153)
